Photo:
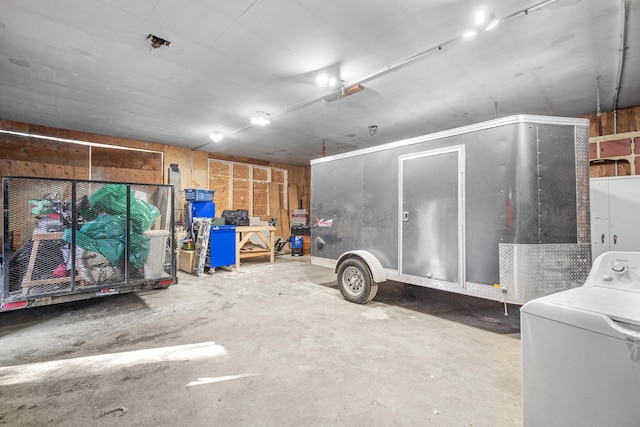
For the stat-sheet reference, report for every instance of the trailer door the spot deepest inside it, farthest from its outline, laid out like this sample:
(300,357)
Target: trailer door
(430,230)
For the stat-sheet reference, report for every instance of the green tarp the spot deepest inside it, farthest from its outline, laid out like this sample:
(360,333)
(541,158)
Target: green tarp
(105,229)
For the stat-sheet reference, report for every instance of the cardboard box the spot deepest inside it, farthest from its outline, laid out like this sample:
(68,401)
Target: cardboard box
(185,261)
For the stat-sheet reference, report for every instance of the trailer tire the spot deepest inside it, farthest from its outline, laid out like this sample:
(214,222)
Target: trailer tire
(356,282)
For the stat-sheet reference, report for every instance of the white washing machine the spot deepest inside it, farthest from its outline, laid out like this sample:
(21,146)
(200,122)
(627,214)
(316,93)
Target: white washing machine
(581,350)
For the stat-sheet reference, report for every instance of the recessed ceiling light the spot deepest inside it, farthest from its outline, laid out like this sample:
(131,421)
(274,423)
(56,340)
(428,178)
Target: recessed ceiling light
(216,136)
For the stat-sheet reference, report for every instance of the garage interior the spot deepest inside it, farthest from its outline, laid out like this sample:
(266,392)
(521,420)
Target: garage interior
(237,99)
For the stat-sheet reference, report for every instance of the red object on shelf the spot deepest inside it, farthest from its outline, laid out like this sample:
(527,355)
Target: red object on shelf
(593,150)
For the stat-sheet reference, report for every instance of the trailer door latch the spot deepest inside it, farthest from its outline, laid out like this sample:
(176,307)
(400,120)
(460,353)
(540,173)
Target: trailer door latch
(405,216)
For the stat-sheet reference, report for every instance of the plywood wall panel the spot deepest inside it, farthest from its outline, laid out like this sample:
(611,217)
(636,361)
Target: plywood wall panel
(609,168)
(260,198)
(606,120)
(274,207)
(220,182)
(293,198)
(14,126)
(221,196)
(261,174)
(131,159)
(595,127)
(284,224)
(114,164)
(116,174)
(42,170)
(42,151)
(300,176)
(182,158)
(274,199)
(241,198)
(279,176)
(219,168)
(199,170)
(93,138)
(241,172)
(242,187)
(627,120)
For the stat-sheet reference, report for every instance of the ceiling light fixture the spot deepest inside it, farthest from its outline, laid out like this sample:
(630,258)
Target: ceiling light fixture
(324,80)
(260,119)
(484,22)
(216,136)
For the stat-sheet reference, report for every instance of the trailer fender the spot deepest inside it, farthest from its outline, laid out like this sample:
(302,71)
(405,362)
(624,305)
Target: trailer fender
(377,272)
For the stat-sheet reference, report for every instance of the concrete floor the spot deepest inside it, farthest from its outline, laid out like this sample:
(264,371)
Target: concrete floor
(266,345)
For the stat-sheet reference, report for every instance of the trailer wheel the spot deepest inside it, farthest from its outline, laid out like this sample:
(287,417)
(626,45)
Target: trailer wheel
(356,282)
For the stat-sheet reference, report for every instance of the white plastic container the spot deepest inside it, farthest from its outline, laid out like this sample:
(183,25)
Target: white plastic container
(154,266)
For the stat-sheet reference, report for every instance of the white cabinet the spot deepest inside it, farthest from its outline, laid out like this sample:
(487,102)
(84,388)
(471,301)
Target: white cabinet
(615,214)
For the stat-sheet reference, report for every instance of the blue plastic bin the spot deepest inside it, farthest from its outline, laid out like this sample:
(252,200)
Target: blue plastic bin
(198,195)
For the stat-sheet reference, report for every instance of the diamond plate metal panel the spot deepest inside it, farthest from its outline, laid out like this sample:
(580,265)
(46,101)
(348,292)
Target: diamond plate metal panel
(582,184)
(532,271)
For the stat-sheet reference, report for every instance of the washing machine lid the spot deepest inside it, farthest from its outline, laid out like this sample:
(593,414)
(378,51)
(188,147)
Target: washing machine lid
(612,312)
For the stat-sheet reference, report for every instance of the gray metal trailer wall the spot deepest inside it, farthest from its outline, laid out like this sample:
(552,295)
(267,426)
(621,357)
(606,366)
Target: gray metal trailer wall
(521,187)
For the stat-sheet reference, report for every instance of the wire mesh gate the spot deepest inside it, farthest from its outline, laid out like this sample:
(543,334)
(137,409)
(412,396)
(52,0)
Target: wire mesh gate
(84,239)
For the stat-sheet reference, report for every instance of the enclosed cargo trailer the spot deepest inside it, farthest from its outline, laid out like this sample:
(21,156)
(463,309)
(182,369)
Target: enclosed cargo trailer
(497,210)
(66,240)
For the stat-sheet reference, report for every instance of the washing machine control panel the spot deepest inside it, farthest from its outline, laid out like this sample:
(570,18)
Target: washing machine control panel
(619,270)
(618,267)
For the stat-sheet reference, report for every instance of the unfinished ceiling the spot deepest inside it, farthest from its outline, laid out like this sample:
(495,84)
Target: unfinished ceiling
(90,65)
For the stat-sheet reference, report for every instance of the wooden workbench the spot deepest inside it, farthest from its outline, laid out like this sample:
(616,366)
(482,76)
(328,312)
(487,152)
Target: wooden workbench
(244,233)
